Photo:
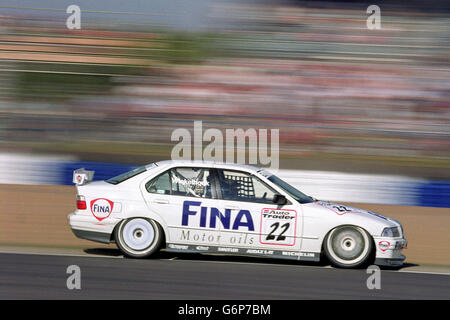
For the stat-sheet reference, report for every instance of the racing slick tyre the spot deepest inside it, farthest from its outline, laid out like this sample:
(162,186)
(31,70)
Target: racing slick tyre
(349,247)
(138,237)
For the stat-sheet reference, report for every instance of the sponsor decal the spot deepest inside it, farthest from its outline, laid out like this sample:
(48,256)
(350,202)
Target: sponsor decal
(190,182)
(259,251)
(211,237)
(384,245)
(199,237)
(232,250)
(277,214)
(341,209)
(178,247)
(101,208)
(243,219)
(337,208)
(298,254)
(278,227)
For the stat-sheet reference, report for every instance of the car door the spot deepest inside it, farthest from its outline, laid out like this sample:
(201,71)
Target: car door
(256,222)
(182,196)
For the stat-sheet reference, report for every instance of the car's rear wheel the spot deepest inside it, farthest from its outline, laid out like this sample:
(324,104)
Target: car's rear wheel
(138,237)
(348,247)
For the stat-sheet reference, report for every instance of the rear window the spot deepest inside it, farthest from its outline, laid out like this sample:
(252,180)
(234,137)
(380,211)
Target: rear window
(127,175)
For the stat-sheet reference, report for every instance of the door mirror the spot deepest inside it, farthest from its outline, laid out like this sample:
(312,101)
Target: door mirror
(279,199)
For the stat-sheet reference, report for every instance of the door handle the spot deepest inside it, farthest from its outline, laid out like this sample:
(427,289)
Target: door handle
(160,201)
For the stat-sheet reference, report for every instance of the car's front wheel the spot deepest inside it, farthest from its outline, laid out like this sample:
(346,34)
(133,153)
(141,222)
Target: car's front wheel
(349,247)
(138,237)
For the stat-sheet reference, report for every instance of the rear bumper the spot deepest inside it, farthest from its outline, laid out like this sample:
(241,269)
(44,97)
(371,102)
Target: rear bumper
(88,228)
(92,235)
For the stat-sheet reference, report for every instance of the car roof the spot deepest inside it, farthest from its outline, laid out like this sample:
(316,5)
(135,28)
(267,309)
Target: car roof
(203,163)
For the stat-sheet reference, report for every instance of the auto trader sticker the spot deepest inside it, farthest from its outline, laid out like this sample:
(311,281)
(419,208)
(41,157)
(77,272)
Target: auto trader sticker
(101,208)
(278,227)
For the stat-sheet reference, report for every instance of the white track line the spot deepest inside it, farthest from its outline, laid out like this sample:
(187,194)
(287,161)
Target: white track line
(423,272)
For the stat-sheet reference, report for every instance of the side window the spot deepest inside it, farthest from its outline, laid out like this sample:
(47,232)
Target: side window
(191,182)
(241,186)
(160,184)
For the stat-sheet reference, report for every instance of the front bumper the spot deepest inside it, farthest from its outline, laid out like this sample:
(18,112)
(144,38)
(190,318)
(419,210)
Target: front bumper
(389,251)
(397,262)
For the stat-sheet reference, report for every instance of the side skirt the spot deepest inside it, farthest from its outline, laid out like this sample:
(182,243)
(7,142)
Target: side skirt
(269,253)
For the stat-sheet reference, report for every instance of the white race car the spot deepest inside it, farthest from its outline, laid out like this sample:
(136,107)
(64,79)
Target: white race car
(197,206)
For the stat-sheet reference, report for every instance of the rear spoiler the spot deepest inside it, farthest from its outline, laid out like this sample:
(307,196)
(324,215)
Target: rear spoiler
(82,176)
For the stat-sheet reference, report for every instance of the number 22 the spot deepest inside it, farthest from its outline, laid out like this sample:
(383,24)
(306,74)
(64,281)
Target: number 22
(281,236)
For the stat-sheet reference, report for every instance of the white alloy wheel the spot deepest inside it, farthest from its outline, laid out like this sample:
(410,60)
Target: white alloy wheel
(138,237)
(348,247)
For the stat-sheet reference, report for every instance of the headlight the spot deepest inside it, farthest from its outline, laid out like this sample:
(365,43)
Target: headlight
(391,232)
(400,227)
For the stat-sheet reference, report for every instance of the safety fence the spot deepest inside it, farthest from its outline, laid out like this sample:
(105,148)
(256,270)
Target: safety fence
(324,185)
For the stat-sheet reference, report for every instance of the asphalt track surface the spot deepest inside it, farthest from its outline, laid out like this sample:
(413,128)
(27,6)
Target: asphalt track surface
(105,274)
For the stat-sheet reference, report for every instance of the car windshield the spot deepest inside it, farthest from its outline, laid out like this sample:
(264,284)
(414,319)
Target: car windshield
(293,192)
(127,175)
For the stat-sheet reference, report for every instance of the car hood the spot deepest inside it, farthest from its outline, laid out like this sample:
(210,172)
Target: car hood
(352,213)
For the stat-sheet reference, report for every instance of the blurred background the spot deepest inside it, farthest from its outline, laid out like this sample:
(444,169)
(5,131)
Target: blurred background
(345,98)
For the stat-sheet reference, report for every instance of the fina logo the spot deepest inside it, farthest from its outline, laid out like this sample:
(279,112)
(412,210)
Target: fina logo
(101,208)
(243,218)
(384,245)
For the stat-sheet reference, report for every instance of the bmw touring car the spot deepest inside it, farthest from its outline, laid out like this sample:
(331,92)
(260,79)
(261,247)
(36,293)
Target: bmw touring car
(208,207)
